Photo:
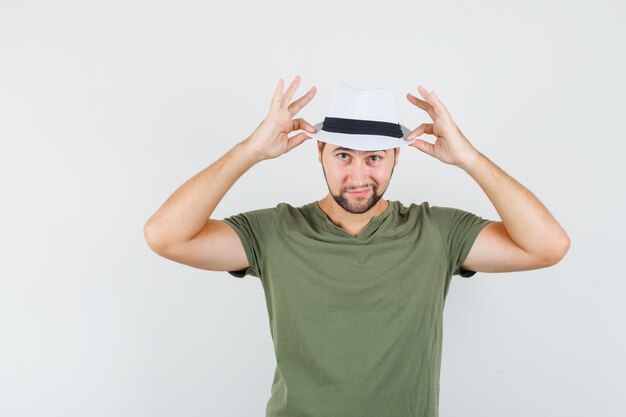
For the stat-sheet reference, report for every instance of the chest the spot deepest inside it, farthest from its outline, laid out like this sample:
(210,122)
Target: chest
(312,272)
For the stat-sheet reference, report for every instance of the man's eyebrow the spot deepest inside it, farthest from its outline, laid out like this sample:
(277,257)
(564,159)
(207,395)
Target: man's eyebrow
(341,148)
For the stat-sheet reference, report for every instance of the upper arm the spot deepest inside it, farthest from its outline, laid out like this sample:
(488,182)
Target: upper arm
(495,251)
(216,247)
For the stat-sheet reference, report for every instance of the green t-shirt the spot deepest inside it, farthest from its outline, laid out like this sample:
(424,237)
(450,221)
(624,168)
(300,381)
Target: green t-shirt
(356,322)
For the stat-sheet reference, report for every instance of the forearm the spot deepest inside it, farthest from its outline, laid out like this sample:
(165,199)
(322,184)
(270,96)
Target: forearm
(527,221)
(187,210)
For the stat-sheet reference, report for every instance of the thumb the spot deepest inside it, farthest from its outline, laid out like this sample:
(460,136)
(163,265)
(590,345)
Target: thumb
(308,127)
(301,124)
(424,146)
(296,140)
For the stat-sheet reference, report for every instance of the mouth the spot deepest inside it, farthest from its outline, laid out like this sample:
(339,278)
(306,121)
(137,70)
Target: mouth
(360,192)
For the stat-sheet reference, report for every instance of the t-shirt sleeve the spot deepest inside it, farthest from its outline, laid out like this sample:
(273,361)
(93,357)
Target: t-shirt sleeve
(254,229)
(459,229)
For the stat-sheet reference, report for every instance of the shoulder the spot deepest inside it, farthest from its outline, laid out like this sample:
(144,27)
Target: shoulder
(412,209)
(426,213)
(412,215)
(282,210)
(285,213)
(279,208)
(262,218)
(442,213)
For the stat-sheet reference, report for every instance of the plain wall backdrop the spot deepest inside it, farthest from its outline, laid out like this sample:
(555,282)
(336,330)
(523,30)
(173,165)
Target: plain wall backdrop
(106,107)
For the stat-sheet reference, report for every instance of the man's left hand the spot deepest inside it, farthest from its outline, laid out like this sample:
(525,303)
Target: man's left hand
(451,146)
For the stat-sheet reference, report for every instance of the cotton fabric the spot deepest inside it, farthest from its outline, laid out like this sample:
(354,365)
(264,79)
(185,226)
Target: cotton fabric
(356,322)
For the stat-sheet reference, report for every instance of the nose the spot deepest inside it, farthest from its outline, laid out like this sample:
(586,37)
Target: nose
(359,176)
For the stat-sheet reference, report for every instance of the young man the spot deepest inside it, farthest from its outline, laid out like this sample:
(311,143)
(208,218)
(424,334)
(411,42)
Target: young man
(355,284)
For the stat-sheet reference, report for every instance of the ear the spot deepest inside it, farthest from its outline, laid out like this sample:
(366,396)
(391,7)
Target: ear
(397,155)
(319,151)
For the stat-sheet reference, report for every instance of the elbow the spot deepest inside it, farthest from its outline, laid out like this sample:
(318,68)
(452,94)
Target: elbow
(559,251)
(150,235)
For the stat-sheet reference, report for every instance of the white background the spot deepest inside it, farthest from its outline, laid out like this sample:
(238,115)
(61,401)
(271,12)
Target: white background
(106,107)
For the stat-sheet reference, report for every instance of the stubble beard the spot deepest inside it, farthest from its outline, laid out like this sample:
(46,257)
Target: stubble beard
(351,204)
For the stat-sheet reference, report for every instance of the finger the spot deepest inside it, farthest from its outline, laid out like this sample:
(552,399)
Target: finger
(422,105)
(290,91)
(432,99)
(424,93)
(424,146)
(278,92)
(420,130)
(297,105)
(438,102)
(301,124)
(296,140)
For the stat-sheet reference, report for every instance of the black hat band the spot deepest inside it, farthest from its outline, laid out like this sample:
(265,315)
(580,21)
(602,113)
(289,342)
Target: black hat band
(361,127)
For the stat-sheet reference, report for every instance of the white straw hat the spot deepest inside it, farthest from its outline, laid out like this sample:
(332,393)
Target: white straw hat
(362,119)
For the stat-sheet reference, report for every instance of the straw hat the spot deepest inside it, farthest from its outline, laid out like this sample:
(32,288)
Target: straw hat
(362,119)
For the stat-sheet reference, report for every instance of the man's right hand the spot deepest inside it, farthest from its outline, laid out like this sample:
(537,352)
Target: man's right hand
(269,140)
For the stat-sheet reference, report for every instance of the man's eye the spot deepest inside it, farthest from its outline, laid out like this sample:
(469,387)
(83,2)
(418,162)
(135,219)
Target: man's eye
(345,154)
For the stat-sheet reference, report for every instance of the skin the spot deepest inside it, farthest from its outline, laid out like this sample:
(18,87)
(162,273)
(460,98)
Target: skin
(349,170)
(528,235)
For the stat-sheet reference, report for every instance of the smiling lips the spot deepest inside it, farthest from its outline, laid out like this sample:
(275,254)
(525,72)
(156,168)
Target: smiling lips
(359,192)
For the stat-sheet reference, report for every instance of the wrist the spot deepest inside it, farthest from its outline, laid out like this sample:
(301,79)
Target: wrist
(252,154)
(471,160)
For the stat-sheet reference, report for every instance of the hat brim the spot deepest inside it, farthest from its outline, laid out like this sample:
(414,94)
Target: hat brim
(361,142)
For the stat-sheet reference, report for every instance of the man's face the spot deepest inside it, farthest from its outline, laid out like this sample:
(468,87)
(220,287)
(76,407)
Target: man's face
(347,170)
